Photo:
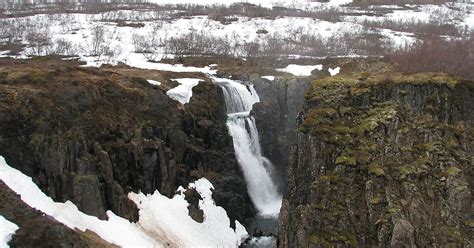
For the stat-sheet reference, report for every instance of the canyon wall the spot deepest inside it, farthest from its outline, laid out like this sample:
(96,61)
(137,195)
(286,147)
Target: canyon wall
(382,160)
(91,136)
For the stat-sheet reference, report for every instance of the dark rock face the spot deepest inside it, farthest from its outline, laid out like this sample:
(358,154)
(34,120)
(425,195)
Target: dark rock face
(382,162)
(280,102)
(92,136)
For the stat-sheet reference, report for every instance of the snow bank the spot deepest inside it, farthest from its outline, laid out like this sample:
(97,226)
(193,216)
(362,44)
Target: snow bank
(184,91)
(116,230)
(7,229)
(153,82)
(334,71)
(300,70)
(160,216)
(271,78)
(163,221)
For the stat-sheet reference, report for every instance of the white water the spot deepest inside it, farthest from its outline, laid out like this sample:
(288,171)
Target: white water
(257,169)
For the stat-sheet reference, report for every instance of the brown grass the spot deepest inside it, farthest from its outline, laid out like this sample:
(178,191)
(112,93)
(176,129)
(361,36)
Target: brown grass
(454,57)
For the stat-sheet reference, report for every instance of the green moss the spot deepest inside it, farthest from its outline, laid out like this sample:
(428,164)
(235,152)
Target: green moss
(452,171)
(457,128)
(346,160)
(348,239)
(429,147)
(394,210)
(319,206)
(139,80)
(345,110)
(381,114)
(469,223)
(331,238)
(319,239)
(421,164)
(376,170)
(404,171)
(375,200)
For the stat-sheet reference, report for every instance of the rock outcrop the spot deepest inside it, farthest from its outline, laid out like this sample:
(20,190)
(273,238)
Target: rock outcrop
(93,135)
(382,161)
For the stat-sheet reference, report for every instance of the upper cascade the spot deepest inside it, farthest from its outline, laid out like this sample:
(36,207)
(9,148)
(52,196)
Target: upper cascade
(258,171)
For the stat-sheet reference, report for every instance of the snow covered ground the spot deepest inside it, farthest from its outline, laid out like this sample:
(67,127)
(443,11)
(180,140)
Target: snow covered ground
(7,229)
(162,221)
(184,91)
(162,216)
(300,70)
(79,31)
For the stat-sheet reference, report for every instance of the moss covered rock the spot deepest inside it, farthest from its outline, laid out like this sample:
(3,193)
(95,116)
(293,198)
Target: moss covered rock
(382,160)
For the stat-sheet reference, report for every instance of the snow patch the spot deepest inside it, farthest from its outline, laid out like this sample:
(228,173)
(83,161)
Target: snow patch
(7,229)
(334,71)
(116,230)
(163,221)
(161,216)
(184,91)
(139,61)
(339,2)
(271,78)
(153,82)
(300,70)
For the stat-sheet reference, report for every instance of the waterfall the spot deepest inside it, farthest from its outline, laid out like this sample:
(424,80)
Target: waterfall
(257,169)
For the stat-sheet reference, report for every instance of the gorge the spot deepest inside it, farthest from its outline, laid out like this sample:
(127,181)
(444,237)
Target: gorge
(360,159)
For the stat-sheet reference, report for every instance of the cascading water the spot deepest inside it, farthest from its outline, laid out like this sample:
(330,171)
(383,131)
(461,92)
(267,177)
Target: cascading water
(258,170)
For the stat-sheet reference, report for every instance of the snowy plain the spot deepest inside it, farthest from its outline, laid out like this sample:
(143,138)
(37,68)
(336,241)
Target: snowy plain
(77,28)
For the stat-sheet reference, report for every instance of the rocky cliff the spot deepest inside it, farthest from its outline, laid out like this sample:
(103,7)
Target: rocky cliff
(93,135)
(382,160)
(275,116)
